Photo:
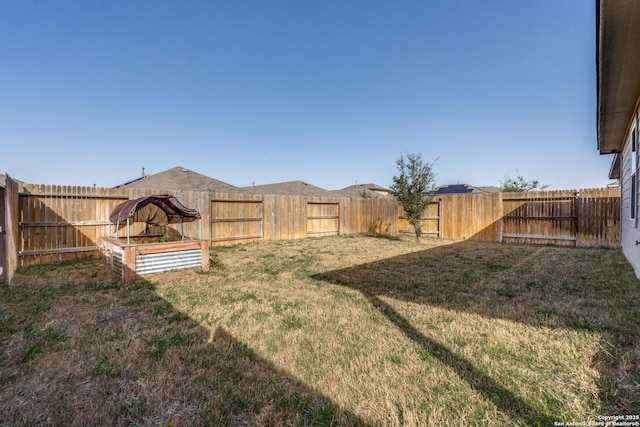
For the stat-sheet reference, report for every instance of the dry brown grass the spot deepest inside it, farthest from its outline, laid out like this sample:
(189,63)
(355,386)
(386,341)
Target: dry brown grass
(348,330)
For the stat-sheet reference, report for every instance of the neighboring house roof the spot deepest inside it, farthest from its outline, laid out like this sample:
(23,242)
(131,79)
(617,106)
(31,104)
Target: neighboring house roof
(180,178)
(490,189)
(363,191)
(617,66)
(291,188)
(466,189)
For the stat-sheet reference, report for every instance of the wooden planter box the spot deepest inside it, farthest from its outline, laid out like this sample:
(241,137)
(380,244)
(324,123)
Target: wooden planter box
(139,259)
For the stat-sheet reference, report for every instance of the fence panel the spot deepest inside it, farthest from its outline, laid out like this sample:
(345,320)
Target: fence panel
(599,218)
(286,217)
(234,220)
(471,216)
(585,218)
(323,218)
(541,217)
(58,223)
(371,215)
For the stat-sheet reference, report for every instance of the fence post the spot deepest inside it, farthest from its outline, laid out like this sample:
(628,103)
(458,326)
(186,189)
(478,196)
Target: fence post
(576,216)
(439,219)
(10,229)
(3,237)
(501,216)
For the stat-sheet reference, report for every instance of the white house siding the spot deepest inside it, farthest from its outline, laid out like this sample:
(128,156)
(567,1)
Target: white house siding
(630,231)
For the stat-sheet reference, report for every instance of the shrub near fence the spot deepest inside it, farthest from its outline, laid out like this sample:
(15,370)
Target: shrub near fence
(53,223)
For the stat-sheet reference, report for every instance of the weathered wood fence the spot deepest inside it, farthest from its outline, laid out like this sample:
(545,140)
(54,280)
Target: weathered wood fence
(47,223)
(584,218)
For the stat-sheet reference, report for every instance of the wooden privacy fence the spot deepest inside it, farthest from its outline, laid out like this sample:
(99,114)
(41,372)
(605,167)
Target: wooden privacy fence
(47,223)
(584,218)
(580,218)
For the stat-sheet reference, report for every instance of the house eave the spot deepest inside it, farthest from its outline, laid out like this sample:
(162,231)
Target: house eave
(614,172)
(617,67)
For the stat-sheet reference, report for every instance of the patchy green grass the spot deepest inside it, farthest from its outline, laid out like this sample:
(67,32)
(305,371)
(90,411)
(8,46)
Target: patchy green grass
(353,330)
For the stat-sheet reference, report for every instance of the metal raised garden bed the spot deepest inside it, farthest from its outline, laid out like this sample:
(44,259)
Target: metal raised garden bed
(135,256)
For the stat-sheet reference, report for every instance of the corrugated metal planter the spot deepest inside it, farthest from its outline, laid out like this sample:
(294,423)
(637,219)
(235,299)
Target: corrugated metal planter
(135,260)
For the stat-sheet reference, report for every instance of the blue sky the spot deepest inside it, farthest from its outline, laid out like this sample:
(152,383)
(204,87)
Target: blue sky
(328,92)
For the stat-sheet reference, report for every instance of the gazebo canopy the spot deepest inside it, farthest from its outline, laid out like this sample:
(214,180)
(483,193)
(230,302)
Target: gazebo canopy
(153,210)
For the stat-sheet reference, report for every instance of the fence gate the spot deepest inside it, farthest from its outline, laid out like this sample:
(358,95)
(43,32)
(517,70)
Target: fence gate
(431,220)
(323,218)
(236,220)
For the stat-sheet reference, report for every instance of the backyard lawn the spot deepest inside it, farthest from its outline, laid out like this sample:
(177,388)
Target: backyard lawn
(342,330)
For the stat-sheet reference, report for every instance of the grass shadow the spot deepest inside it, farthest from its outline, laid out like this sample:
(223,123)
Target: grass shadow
(555,287)
(501,397)
(82,349)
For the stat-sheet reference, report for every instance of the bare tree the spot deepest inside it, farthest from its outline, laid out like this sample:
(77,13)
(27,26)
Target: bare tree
(520,184)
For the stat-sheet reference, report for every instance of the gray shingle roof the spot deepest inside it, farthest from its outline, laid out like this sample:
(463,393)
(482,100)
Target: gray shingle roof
(490,189)
(179,178)
(363,191)
(291,188)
